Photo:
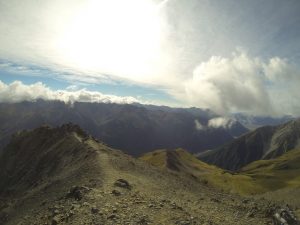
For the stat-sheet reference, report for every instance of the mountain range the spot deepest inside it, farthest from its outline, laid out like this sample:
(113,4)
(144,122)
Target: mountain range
(253,122)
(135,129)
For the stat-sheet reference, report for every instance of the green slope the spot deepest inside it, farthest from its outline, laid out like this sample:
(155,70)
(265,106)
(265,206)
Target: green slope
(277,173)
(182,162)
(256,178)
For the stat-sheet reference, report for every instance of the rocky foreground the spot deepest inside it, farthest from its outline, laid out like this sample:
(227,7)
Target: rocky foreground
(63,176)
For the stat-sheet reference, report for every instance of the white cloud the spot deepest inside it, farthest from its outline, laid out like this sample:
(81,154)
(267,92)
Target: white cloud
(68,39)
(221,122)
(223,84)
(72,87)
(243,84)
(119,38)
(17,92)
(198,125)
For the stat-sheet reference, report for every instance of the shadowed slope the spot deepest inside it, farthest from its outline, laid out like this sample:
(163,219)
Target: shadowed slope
(44,156)
(262,143)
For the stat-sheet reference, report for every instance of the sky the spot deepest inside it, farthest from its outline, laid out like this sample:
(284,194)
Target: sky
(226,55)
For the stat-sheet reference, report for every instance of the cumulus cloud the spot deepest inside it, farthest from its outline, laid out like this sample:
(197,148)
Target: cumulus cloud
(244,84)
(17,92)
(221,122)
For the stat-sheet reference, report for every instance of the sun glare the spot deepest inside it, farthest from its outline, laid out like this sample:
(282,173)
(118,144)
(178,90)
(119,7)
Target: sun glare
(116,37)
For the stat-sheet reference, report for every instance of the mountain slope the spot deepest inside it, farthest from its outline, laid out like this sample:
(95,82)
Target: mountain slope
(262,143)
(62,176)
(181,162)
(44,154)
(273,174)
(135,129)
(274,179)
(256,178)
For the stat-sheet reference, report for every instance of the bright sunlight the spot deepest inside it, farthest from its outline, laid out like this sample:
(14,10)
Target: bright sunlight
(122,38)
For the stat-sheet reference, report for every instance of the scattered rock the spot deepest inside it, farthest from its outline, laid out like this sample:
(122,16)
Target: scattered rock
(285,215)
(75,206)
(245,201)
(56,212)
(174,206)
(71,213)
(112,216)
(43,203)
(250,214)
(215,200)
(150,205)
(116,193)
(77,192)
(143,220)
(86,204)
(55,220)
(94,210)
(183,222)
(114,210)
(122,183)
(3,216)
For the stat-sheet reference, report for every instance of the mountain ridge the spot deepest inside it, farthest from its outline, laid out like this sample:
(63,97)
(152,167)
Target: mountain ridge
(135,129)
(66,177)
(263,143)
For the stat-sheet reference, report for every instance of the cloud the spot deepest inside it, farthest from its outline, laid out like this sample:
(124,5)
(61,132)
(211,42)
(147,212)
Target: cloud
(215,123)
(243,84)
(17,92)
(84,38)
(221,122)
(72,87)
(188,56)
(198,125)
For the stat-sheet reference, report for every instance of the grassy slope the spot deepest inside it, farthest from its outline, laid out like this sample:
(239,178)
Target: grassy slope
(258,177)
(213,175)
(274,174)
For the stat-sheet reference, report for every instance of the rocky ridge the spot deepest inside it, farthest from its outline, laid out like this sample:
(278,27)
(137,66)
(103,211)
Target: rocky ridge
(90,183)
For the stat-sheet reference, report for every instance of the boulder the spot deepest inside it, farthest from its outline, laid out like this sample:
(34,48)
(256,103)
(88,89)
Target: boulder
(122,183)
